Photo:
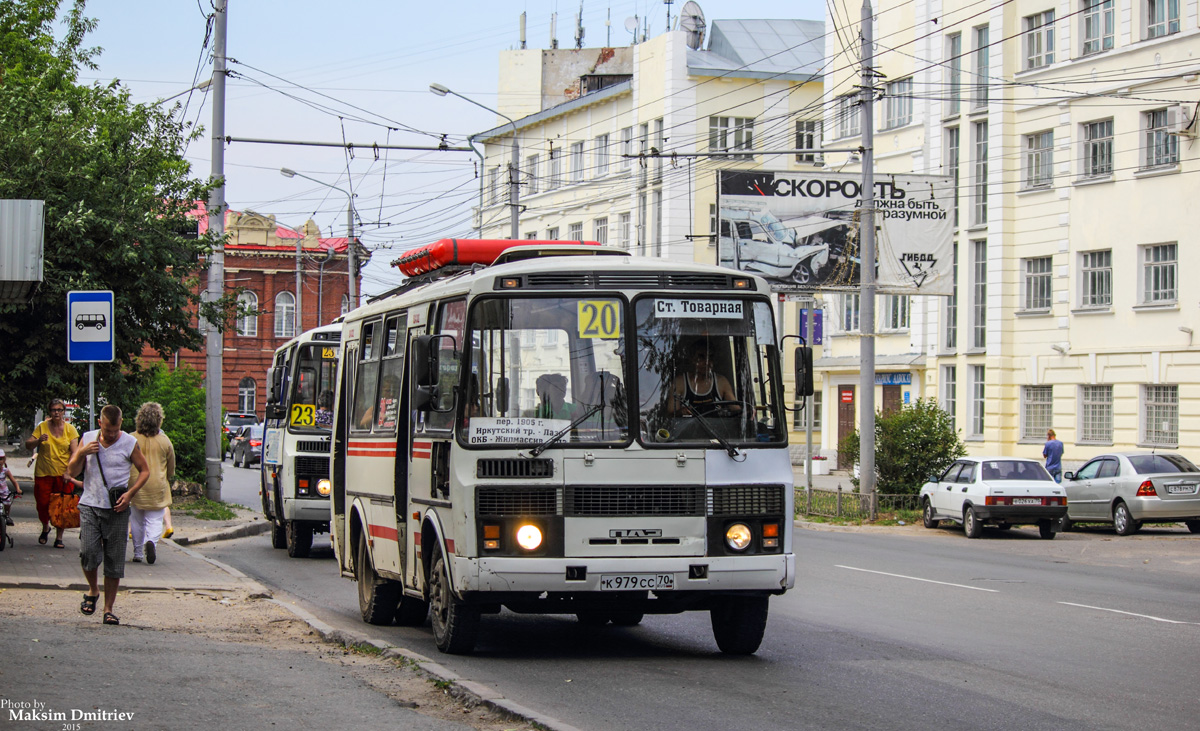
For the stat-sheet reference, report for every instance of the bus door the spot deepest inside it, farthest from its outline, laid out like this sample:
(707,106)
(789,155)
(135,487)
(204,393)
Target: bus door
(391,421)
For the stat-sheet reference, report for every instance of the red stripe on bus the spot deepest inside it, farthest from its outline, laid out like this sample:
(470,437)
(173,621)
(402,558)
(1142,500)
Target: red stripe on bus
(371,453)
(382,531)
(422,445)
(450,545)
(420,455)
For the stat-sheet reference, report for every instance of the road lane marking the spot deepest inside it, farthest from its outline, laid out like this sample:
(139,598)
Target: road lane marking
(1131,614)
(917,578)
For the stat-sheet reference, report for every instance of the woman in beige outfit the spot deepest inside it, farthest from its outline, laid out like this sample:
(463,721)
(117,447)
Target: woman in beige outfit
(149,504)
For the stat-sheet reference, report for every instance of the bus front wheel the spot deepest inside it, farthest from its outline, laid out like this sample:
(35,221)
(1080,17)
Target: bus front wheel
(299,538)
(377,597)
(455,624)
(738,624)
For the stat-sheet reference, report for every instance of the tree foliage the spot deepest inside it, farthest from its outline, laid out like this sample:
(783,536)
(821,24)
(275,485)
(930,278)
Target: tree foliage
(117,191)
(182,397)
(911,444)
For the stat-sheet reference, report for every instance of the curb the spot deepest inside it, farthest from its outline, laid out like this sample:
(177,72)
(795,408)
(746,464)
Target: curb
(237,531)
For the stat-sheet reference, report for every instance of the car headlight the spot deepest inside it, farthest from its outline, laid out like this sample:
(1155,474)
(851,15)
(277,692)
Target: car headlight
(529,537)
(737,536)
(323,487)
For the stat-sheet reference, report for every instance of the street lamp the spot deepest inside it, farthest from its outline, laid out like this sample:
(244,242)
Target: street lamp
(514,194)
(352,263)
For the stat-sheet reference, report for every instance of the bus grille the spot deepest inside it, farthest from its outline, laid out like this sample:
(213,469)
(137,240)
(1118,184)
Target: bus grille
(507,501)
(634,500)
(320,446)
(746,500)
(318,466)
(514,468)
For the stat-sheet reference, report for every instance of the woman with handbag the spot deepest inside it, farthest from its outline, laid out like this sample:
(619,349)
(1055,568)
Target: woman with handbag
(54,440)
(104,508)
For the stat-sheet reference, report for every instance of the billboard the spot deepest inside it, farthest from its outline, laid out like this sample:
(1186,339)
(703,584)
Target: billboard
(800,230)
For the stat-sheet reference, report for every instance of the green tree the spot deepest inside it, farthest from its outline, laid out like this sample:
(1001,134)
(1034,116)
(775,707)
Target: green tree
(181,394)
(911,444)
(117,191)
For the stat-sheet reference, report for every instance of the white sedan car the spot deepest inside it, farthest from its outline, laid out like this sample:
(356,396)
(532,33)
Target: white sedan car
(1001,491)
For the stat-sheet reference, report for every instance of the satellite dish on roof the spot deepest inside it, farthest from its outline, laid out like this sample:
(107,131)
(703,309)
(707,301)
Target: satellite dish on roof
(691,19)
(631,24)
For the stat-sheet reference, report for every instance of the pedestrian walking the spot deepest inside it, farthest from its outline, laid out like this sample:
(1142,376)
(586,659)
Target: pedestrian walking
(55,440)
(109,454)
(6,494)
(1053,452)
(149,505)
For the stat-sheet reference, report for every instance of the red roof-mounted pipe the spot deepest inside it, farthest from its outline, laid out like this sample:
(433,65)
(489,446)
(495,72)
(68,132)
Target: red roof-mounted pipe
(465,252)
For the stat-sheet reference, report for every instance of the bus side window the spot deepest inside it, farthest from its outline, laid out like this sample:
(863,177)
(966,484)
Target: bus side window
(393,363)
(368,376)
(451,319)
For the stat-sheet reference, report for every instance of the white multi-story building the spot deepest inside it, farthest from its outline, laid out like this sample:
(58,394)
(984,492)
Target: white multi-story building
(1070,128)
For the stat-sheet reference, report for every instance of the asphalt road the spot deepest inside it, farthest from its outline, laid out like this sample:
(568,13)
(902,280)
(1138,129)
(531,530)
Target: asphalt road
(886,629)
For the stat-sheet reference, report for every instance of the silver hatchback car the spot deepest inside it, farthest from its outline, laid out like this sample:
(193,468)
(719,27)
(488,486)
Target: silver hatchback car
(1131,488)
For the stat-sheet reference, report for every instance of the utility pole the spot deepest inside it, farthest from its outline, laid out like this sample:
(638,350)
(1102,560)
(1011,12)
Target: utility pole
(866,458)
(351,254)
(215,342)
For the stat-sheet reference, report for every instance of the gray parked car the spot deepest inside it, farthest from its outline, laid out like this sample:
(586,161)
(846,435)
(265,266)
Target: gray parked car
(1131,488)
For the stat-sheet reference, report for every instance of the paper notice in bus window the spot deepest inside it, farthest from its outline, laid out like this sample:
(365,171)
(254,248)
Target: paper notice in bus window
(518,430)
(694,307)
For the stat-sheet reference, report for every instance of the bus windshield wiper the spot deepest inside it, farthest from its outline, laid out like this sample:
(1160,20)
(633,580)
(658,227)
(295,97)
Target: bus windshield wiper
(729,448)
(549,442)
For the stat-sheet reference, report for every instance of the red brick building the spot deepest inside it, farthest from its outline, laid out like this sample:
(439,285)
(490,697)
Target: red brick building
(260,261)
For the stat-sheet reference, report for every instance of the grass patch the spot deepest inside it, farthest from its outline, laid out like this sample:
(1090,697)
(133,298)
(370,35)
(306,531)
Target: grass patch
(365,648)
(202,508)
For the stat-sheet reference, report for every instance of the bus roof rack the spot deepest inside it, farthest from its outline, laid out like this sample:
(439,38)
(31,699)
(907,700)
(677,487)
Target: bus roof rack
(522,253)
(465,252)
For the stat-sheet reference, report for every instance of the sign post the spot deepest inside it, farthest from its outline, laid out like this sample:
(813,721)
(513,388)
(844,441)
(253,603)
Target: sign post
(90,337)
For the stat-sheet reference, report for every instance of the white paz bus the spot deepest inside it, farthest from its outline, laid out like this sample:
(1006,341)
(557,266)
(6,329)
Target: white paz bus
(295,462)
(567,430)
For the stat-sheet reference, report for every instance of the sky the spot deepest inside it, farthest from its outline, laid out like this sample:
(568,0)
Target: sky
(356,72)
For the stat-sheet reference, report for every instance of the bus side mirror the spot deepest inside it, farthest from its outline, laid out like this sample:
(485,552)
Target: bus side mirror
(424,361)
(804,372)
(275,388)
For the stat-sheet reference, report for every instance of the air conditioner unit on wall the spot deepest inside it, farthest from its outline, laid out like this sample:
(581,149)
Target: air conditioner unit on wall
(1179,122)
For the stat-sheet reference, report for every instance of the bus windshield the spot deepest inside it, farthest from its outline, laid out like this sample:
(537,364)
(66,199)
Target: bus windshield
(704,370)
(311,404)
(538,366)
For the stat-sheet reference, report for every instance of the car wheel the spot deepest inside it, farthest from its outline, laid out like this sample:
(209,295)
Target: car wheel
(738,623)
(455,624)
(1193,525)
(801,274)
(378,598)
(927,516)
(972,526)
(1065,524)
(1046,529)
(1123,522)
(299,538)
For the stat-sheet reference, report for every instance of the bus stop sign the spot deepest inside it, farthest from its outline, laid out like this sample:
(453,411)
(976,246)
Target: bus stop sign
(90,327)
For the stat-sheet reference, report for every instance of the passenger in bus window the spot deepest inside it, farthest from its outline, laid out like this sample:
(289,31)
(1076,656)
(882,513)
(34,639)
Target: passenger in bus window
(389,402)
(552,398)
(324,418)
(699,388)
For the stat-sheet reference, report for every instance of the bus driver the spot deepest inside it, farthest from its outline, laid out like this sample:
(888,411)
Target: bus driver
(699,388)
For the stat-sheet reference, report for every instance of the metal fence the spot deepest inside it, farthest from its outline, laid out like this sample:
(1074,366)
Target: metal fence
(852,504)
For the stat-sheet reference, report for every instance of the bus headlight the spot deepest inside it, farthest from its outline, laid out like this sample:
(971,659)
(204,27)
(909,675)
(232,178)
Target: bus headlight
(323,488)
(737,536)
(529,537)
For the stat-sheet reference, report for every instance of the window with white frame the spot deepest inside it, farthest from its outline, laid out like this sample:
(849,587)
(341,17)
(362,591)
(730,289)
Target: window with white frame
(801,419)
(1095,280)
(953,152)
(531,235)
(1162,18)
(1160,416)
(494,186)
(1039,40)
(659,143)
(1097,148)
(982,66)
(552,233)
(1039,160)
(577,166)
(285,315)
(656,200)
(953,66)
(978,404)
(1159,281)
(952,307)
(345,304)
(1037,411)
(554,180)
(601,157)
(898,103)
(1036,284)
(575,231)
(979,175)
(627,148)
(1161,147)
(851,312)
(712,225)
(600,230)
(950,393)
(895,312)
(1098,28)
(247,321)
(532,164)
(848,116)
(978,294)
(808,137)
(247,390)
(729,134)
(624,230)
(1096,414)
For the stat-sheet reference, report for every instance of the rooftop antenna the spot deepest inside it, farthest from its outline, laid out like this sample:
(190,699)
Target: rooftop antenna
(668,4)
(554,30)
(522,31)
(631,25)
(691,20)
(608,29)
(579,27)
